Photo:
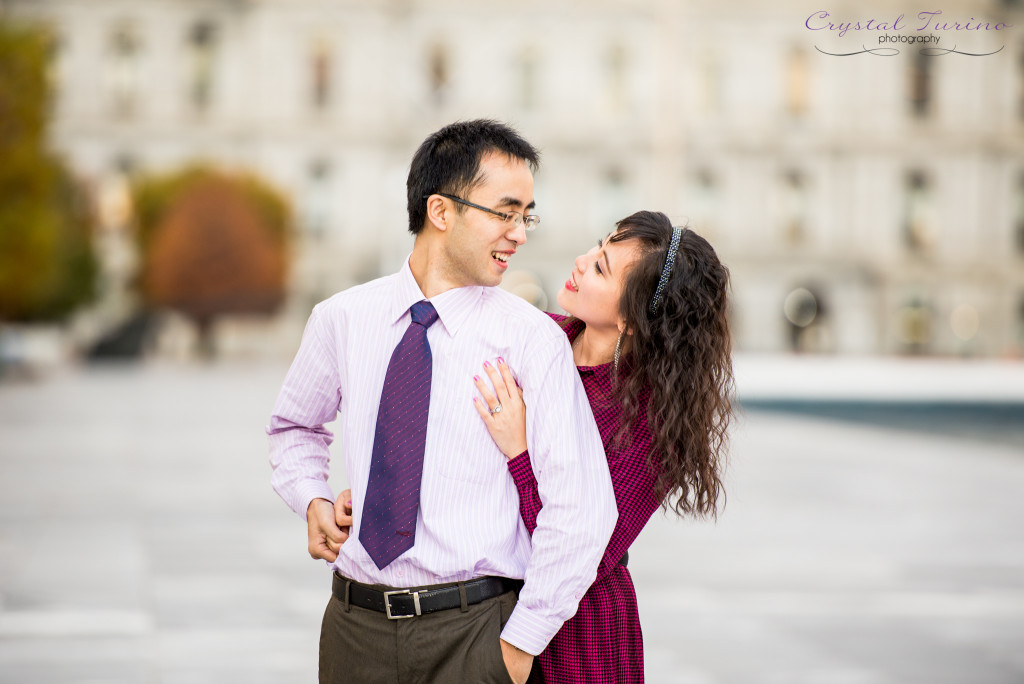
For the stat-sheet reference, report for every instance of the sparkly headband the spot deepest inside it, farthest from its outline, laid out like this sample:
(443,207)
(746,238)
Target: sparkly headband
(670,259)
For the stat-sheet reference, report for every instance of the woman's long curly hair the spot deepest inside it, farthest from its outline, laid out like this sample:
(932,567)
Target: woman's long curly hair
(677,363)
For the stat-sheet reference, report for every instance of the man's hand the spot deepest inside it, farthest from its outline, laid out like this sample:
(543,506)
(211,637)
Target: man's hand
(325,536)
(518,663)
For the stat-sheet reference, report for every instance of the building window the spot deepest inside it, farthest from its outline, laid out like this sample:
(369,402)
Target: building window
(1019,218)
(914,325)
(797,83)
(439,75)
(918,223)
(807,320)
(56,48)
(616,67)
(317,209)
(965,322)
(320,74)
(126,165)
(794,207)
(709,83)
(1020,321)
(114,200)
(703,201)
(202,42)
(123,70)
(921,85)
(526,68)
(1020,84)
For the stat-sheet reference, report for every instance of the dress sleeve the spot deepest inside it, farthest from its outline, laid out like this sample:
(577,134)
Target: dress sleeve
(526,484)
(635,498)
(573,482)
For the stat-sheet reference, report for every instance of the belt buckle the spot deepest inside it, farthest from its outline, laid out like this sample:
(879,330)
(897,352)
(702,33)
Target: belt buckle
(415,603)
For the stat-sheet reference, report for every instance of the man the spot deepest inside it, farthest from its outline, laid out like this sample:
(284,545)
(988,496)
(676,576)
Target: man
(436,535)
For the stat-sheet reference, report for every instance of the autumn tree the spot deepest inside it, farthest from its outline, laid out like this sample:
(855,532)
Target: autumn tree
(47,266)
(212,243)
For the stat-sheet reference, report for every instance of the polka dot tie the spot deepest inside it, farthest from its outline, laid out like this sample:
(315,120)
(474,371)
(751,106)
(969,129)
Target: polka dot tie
(388,527)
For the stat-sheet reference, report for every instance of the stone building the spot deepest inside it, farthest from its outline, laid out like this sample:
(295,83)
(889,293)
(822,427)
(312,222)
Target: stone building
(867,203)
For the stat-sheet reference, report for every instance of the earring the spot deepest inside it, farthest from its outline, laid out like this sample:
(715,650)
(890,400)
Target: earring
(618,348)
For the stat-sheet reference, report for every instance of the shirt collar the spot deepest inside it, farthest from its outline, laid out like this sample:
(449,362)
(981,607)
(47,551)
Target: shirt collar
(453,306)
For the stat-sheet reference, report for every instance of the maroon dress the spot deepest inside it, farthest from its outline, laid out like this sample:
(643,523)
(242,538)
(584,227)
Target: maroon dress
(602,643)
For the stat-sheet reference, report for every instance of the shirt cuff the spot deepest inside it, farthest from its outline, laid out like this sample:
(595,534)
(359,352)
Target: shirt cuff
(520,467)
(529,630)
(306,491)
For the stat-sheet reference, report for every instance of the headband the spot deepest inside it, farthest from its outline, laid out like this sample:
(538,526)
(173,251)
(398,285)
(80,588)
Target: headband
(670,259)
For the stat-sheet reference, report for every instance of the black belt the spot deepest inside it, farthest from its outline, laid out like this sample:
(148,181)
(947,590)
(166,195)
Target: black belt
(407,603)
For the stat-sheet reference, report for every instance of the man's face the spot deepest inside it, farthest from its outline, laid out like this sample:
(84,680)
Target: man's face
(480,244)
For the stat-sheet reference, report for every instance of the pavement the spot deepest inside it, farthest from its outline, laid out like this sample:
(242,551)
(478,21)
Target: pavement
(140,543)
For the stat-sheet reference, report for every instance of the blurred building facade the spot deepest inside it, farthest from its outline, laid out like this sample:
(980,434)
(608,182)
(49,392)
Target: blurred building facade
(864,204)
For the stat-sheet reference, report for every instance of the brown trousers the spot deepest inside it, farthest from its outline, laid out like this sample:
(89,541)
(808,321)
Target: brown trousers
(361,646)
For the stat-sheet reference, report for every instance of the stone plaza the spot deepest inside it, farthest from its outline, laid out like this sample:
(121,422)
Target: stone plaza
(140,543)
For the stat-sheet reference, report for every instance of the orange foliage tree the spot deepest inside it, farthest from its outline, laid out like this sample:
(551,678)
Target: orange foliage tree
(212,244)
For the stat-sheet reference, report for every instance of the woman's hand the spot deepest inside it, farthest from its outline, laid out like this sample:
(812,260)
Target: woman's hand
(508,424)
(343,513)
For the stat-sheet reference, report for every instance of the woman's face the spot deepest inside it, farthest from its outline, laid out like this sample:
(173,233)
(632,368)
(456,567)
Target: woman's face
(592,290)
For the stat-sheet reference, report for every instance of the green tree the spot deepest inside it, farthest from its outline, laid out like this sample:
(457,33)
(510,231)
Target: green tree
(47,265)
(212,243)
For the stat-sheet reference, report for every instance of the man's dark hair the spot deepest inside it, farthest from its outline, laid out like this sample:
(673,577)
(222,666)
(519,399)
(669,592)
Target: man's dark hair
(449,162)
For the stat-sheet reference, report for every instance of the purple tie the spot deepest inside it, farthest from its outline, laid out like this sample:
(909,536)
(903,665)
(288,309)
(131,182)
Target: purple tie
(388,527)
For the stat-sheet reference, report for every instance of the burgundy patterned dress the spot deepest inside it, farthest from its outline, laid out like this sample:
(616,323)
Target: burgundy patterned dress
(602,643)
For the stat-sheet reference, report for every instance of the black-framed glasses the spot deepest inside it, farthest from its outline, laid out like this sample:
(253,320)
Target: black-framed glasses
(531,221)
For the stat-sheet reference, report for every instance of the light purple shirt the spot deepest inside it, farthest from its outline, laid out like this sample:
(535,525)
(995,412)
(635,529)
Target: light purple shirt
(468,524)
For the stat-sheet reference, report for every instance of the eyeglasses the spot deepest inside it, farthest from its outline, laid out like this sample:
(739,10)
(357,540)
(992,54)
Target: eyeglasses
(531,221)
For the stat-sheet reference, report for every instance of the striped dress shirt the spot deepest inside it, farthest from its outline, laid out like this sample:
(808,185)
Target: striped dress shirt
(468,524)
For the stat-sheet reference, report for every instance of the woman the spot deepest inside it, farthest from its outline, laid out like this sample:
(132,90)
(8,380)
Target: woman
(650,336)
